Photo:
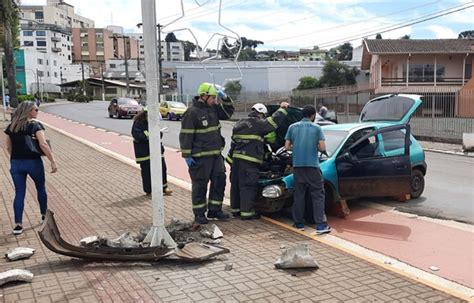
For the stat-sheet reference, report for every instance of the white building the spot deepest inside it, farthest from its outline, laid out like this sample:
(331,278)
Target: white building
(173,51)
(55,12)
(257,76)
(47,49)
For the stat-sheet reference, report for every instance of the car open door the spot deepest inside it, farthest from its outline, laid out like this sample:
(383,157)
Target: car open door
(396,109)
(365,170)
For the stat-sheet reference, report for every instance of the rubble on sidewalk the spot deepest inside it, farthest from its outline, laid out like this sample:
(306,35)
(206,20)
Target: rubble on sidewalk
(296,257)
(191,244)
(19,253)
(16,275)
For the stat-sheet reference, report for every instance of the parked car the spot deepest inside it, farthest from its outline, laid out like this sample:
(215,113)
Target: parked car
(377,157)
(172,110)
(124,107)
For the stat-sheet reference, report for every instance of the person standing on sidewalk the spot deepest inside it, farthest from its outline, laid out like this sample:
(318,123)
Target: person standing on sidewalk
(201,146)
(306,139)
(248,150)
(25,162)
(141,146)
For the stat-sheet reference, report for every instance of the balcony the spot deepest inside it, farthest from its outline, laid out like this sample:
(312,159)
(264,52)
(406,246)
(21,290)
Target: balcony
(56,39)
(56,49)
(424,81)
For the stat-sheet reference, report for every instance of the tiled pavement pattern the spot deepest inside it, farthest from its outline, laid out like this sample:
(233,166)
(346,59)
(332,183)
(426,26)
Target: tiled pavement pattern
(95,194)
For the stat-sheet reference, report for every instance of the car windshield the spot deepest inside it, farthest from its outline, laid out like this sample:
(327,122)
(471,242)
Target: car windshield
(392,108)
(177,104)
(127,102)
(334,138)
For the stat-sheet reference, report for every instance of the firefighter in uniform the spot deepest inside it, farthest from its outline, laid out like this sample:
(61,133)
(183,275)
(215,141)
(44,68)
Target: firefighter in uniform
(201,146)
(141,146)
(247,153)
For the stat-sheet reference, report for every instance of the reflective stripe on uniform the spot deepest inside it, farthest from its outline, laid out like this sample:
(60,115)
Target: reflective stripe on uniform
(203,205)
(248,137)
(235,210)
(283,111)
(215,202)
(185,151)
(247,214)
(246,158)
(147,133)
(270,120)
(141,159)
(200,130)
(228,159)
(208,153)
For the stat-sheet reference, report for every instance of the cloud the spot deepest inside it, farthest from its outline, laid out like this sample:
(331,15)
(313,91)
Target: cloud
(442,32)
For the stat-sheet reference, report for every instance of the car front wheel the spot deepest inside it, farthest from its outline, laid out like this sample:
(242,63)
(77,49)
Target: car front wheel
(417,183)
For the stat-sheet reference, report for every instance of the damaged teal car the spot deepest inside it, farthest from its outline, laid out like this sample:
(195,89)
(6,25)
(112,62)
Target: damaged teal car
(376,157)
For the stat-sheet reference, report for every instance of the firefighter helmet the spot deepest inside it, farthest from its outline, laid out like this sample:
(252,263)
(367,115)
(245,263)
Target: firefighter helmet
(207,89)
(260,108)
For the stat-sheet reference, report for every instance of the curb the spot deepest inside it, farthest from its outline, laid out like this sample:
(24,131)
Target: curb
(386,262)
(448,152)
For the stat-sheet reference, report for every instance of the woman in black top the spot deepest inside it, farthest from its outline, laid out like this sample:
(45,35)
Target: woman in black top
(24,161)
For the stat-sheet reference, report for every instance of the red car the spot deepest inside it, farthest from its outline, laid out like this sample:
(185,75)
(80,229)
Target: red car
(124,107)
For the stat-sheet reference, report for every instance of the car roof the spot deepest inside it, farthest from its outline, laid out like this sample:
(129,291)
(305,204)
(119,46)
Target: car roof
(351,127)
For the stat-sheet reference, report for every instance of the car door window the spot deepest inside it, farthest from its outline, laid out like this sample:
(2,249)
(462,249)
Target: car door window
(393,142)
(354,137)
(369,148)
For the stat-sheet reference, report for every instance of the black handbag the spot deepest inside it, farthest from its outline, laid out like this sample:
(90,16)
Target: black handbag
(32,145)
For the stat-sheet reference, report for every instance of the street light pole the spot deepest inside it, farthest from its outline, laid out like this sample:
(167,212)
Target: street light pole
(160,64)
(102,75)
(37,83)
(83,80)
(158,233)
(125,52)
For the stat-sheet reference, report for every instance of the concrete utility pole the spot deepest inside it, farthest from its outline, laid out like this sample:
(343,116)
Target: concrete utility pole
(160,63)
(102,76)
(158,233)
(125,53)
(83,80)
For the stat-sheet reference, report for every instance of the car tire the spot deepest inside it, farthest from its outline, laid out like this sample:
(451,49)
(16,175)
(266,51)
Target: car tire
(417,183)
(328,204)
(167,116)
(118,115)
(111,116)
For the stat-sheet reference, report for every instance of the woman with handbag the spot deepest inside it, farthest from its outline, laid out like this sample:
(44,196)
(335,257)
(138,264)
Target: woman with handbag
(26,143)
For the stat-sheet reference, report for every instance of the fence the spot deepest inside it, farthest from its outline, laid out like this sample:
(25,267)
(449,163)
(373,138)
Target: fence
(441,117)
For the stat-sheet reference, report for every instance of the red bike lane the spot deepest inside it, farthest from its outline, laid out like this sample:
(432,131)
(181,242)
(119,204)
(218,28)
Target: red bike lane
(446,247)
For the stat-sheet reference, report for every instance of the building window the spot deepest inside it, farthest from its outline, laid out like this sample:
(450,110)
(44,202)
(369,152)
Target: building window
(40,73)
(27,33)
(55,63)
(40,33)
(69,57)
(47,62)
(111,90)
(175,47)
(40,61)
(112,65)
(175,53)
(40,43)
(28,43)
(39,15)
(48,74)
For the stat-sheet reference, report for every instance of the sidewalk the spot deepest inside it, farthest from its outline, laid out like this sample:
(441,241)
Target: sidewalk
(95,194)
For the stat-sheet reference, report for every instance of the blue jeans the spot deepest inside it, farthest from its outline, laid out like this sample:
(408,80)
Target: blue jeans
(19,170)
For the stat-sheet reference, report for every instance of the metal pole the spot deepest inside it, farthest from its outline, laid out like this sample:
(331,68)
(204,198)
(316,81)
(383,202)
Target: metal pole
(3,89)
(158,233)
(125,53)
(102,75)
(160,64)
(37,83)
(83,80)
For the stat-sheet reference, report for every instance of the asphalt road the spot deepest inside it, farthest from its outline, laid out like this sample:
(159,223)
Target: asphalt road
(449,190)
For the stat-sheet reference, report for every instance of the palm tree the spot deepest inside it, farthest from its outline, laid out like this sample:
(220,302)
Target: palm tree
(9,11)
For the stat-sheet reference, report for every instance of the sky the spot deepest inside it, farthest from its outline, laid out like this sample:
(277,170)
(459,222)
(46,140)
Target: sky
(286,24)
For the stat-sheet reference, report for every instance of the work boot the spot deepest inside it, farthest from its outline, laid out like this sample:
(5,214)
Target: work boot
(217,215)
(167,192)
(200,219)
(250,217)
(236,214)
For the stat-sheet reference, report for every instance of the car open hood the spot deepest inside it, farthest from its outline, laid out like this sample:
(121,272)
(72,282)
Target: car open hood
(295,114)
(396,109)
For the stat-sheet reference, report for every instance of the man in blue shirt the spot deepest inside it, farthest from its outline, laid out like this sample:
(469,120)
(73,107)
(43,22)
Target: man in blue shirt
(306,138)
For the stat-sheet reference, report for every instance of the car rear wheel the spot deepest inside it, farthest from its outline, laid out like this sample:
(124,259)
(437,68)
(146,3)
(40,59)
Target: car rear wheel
(417,183)
(111,116)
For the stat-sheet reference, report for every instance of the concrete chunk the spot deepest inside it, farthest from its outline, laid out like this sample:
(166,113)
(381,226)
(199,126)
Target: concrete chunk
(296,257)
(13,275)
(19,253)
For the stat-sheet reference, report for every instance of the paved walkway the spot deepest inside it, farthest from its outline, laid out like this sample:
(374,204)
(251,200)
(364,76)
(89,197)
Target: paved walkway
(95,194)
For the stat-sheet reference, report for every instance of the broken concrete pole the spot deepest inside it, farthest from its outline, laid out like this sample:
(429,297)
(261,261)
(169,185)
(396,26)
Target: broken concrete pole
(92,241)
(20,275)
(216,232)
(19,253)
(296,257)
(126,240)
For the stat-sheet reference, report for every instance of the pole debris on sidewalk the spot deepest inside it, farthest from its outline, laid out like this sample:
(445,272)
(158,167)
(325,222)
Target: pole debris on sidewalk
(158,234)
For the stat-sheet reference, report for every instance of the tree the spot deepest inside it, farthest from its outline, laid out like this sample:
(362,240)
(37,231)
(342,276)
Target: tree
(170,37)
(378,36)
(337,74)
(341,53)
(308,82)
(189,47)
(229,50)
(9,20)
(405,37)
(466,35)
(233,88)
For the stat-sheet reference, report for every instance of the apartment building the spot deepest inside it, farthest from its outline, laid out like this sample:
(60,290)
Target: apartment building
(172,51)
(55,12)
(96,45)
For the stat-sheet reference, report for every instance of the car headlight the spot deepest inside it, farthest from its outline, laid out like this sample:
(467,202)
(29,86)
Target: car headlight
(272,191)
